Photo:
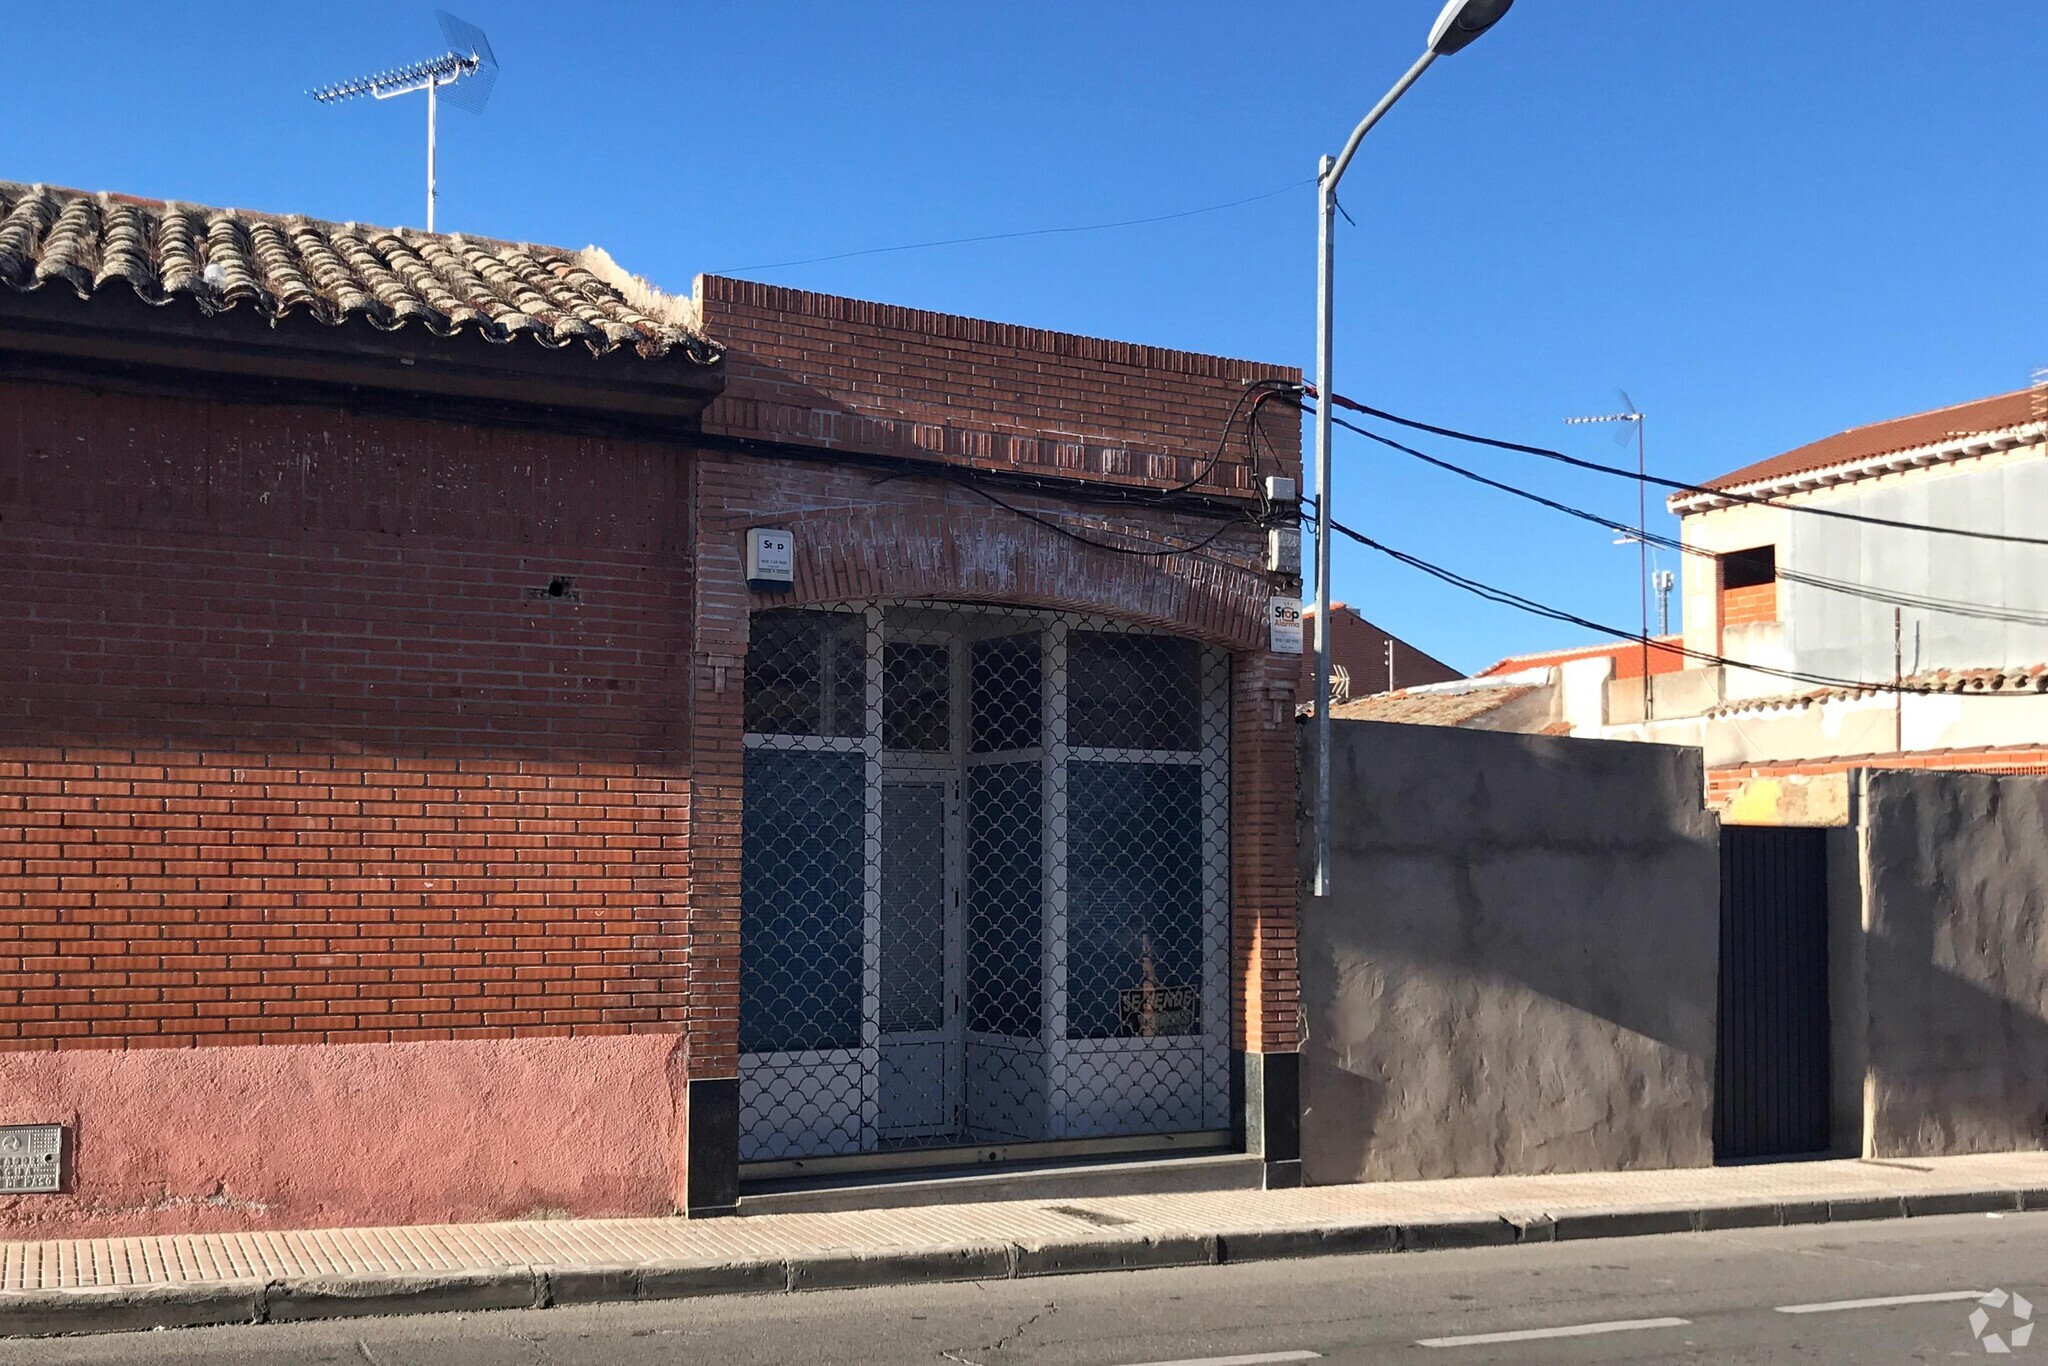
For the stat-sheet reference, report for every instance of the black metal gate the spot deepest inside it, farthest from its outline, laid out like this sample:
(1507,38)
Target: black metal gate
(1771,1082)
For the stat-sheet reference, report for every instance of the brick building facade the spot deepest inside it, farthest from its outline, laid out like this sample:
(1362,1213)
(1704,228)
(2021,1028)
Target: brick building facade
(374,727)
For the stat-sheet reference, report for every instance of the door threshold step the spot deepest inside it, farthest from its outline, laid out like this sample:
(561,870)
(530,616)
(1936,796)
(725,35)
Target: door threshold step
(1068,1180)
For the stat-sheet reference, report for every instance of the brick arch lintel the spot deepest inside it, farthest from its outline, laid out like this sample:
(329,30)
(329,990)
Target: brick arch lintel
(890,554)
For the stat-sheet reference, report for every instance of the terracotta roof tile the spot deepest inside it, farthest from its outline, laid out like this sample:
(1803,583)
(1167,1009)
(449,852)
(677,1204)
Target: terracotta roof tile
(2024,678)
(1995,414)
(339,274)
(1419,708)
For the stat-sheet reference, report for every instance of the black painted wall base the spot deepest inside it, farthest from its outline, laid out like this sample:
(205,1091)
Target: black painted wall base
(1268,1087)
(711,1174)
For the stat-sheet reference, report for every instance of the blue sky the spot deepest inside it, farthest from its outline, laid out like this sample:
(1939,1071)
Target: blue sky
(1767,219)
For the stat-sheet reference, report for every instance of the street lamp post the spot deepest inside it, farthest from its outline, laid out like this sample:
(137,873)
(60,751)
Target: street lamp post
(1460,23)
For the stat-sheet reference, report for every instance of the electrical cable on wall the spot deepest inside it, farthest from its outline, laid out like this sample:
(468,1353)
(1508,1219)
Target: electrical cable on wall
(1255,392)
(1191,548)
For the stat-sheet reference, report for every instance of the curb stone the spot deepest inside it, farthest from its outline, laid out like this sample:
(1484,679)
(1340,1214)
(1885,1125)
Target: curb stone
(567,1285)
(1747,1216)
(1626,1223)
(1444,1234)
(1343,1240)
(47,1313)
(1115,1254)
(1962,1202)
(860,1270)
(348,1297)
(694,1280)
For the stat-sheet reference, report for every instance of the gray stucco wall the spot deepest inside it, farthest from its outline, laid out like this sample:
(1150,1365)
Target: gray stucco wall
(1955,879)
(1851,637)
(1516,970)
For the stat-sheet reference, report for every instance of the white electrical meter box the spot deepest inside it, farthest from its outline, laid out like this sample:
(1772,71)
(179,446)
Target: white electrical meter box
(771,559)
(1286,623)
(1283,551)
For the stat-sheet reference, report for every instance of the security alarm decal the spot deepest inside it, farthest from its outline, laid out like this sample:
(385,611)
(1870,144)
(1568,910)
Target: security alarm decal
(1286,623)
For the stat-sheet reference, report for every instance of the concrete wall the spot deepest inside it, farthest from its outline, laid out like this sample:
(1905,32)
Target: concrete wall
(1955,947)
(1516,971)
(1849,637)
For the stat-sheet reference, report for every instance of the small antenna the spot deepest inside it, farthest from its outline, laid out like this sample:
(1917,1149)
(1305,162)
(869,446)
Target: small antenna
(468,59)
(1665,581)
(1633,415)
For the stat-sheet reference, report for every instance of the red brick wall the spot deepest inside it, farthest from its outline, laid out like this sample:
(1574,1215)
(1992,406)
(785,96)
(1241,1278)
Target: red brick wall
(1722,783)
(1265,893)
(1749,606)
(821,370)
(1361,647)
(296,746)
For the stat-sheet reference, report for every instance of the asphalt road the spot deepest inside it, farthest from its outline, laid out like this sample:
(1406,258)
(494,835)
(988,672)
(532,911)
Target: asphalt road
(1716,1297)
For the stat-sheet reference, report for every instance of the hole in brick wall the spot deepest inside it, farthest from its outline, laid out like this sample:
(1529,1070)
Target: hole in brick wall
(560,589)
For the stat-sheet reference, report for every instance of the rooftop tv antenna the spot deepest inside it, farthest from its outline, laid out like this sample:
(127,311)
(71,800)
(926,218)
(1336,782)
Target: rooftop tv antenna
(1632,415)
(467,70)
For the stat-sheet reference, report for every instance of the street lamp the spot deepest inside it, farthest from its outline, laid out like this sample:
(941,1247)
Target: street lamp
(1461,22)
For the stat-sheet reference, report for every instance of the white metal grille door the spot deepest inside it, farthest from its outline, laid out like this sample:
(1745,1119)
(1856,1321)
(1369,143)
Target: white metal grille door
(984,881)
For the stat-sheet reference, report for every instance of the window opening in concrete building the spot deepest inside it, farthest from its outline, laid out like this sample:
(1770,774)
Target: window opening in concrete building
(1749,586)
(1750,568)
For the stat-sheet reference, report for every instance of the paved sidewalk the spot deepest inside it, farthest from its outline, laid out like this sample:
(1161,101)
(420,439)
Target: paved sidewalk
(112,1284)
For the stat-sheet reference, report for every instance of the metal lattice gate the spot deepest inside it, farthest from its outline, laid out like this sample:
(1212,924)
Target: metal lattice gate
(985,881)
(1772,1094)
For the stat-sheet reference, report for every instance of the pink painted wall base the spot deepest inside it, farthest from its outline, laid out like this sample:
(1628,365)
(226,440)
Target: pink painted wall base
(331,1135)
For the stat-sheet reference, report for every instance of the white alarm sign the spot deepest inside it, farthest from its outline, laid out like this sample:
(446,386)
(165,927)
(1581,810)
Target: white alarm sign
(1286,623)
(771,559)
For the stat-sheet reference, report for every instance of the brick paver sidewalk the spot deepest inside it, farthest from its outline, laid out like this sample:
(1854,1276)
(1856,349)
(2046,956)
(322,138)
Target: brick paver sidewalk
(227,1277)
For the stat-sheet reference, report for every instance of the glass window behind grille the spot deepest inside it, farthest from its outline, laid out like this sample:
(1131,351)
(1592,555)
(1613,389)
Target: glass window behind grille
(1007,681)
(1133,691)
(807,674)
(913,906)
(1134,899)
(917,688)
(801,903)
(1005,898)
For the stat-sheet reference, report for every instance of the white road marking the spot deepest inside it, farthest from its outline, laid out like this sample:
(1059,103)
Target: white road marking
(1258,1359)
(1881,1302)
(1577,1330)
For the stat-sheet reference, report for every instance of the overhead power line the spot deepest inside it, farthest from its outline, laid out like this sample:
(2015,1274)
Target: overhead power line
(1530,605)
(1678,485)
(1847,588)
